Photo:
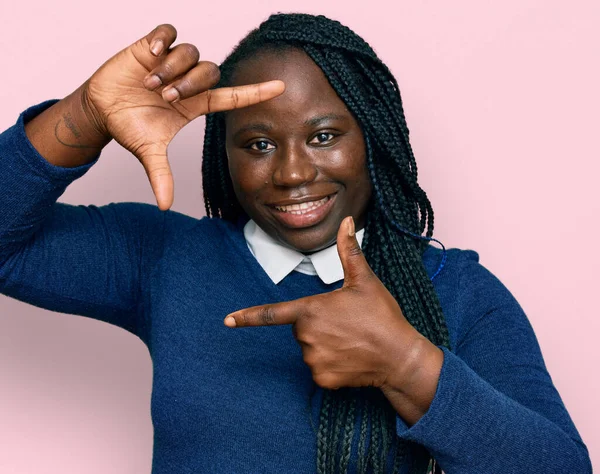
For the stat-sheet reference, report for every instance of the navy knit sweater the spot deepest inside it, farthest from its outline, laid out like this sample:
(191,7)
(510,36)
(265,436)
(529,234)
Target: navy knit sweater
(239,401)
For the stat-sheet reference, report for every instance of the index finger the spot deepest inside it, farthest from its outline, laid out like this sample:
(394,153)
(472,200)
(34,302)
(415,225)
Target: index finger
(229,98)
(266,315)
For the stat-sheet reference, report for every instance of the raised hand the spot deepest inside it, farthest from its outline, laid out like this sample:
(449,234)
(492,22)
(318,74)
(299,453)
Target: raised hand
(351,337)
(149,91)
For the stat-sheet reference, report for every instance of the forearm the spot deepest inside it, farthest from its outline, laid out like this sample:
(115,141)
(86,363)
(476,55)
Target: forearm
(67,134)
(29,184)
(471,427)
(450,410)
(84,260)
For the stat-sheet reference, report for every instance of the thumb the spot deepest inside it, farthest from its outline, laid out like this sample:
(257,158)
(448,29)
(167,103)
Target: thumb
(353,260)
(155,162)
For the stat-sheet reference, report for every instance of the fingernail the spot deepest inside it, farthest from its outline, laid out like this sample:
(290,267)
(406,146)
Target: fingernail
(351,227)
(171,94)
(230,322)
(152,82)
(156,47)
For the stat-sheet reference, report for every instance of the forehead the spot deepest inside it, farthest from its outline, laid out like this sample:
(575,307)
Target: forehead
(307,90)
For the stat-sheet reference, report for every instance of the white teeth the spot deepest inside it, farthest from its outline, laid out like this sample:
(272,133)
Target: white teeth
(302,208)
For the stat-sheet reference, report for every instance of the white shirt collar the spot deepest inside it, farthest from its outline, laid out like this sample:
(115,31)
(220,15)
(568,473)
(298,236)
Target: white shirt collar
(279,261)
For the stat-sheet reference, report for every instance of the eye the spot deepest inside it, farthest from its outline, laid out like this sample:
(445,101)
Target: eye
(261,145)
(322,138)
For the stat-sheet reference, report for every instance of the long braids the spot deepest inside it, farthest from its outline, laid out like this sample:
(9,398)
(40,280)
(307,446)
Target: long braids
(393,244)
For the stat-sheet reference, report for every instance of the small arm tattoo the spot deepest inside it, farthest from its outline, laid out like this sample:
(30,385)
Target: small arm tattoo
(70,124)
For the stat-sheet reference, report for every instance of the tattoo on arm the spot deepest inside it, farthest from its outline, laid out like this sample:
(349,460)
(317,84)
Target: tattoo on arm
(68,122)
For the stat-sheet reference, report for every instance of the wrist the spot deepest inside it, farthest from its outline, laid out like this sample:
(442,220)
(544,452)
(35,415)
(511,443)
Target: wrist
(416,362)
(90,118)
(412,387)
(65,134)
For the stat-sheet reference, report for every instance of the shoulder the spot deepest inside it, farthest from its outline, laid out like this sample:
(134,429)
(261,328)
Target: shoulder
(177,222)
(202,235)
(446,268)
(469,293)
(149,220)
(460,268)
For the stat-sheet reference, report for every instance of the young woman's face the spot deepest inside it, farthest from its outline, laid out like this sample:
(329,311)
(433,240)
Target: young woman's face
(297,162)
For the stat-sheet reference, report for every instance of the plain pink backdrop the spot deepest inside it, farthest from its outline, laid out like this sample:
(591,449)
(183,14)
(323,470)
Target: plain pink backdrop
(502,101)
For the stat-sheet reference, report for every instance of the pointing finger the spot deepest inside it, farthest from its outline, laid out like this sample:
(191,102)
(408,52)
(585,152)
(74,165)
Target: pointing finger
(266,315)
(229,98)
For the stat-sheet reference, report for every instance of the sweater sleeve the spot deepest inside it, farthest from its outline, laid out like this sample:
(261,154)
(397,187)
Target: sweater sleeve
(84,260)
(496,409)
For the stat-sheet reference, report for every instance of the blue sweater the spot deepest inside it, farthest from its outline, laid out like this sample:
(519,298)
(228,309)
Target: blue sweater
(239,401)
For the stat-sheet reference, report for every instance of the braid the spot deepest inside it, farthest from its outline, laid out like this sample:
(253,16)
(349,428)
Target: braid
(323,433)
(348,435)
(399,213)
(362,464)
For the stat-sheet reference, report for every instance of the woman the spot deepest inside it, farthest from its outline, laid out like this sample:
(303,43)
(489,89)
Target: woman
(397,355)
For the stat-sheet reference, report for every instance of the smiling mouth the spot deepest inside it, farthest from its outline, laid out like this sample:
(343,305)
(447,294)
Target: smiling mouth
(304,207)
(304,214)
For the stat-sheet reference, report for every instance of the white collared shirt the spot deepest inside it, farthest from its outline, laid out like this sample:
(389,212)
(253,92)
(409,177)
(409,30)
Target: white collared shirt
(279,261)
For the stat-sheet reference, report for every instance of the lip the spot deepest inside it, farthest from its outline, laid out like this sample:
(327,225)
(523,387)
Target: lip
(309,219)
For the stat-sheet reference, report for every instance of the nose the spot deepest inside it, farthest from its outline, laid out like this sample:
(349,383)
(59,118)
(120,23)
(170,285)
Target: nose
(294,167)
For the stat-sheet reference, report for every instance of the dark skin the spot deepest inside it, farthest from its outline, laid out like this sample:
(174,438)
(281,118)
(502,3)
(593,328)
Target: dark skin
(141,97)
(301,146)
(304,144)
(354,336)
(357,336)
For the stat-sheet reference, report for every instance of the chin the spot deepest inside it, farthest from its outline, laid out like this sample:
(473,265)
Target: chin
(305,240)
(305,245)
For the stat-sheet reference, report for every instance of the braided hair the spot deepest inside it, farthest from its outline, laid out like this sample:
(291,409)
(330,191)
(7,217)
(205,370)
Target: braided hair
(398,214)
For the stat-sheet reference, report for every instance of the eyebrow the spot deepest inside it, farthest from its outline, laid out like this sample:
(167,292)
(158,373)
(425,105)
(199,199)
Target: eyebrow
(253,127)
(266,128)
(316,121)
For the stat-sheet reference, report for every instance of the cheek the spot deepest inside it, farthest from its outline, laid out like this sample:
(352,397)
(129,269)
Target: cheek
(359,184)
(362,191)
(235,173)
(353,167)
(248,176)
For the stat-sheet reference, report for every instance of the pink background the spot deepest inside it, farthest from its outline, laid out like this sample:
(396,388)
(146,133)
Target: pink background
(502,101)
